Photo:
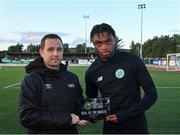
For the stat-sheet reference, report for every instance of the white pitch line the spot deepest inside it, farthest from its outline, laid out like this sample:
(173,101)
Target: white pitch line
(168,87)
(11,85)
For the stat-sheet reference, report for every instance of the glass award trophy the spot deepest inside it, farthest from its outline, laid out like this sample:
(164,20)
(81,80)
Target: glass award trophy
(94,108)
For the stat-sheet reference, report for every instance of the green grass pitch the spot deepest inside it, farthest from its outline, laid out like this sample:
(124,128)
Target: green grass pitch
(163,117)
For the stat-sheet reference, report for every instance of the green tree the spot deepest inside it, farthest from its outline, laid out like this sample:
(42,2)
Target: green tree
(176,42)
(17,48)
(161,46)
(147,49)
(11,48)
(118,43)
(33,48)
(66,47)
(135,48)
(80,48)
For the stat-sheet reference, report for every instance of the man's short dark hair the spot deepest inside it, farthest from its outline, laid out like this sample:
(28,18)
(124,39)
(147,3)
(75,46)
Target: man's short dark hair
(100,28)
(52,36)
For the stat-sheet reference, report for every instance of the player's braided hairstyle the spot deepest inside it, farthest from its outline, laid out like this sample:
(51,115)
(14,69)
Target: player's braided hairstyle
(100,28)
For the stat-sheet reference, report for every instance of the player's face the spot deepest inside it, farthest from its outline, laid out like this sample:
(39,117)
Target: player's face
(52,53)
(104,45)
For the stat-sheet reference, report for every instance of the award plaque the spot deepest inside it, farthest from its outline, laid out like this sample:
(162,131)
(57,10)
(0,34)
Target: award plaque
(94,108)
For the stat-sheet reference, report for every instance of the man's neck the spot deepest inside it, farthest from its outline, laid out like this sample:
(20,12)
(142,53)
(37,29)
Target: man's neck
(53,67)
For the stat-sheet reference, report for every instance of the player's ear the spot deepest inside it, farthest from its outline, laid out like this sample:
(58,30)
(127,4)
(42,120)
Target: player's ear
(41,52)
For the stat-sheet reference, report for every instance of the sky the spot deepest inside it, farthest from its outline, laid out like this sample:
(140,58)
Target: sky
(27,21)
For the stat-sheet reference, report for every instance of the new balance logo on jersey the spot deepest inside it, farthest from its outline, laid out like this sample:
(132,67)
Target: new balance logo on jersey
(71,85)
(48,86)
(100,78)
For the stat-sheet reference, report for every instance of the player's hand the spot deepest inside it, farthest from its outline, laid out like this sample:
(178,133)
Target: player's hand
(82,122)
(112,118)
(75,118)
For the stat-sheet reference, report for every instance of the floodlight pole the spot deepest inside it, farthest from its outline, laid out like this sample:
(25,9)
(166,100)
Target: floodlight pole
(85,36)
(141,7)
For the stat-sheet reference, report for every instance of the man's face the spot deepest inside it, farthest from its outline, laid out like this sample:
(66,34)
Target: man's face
(104,45)
(52,53)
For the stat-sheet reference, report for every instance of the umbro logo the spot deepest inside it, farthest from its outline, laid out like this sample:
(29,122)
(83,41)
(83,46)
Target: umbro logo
(100,78)
(48,86)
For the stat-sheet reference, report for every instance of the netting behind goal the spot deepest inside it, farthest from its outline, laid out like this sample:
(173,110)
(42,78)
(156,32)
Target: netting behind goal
(173,62)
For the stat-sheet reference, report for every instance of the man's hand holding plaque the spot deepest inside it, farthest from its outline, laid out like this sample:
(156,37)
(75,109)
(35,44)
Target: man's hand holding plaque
(94,108)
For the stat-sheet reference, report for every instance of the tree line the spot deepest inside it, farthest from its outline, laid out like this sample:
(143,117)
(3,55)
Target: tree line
(18,48)
(157,47)
(80,48)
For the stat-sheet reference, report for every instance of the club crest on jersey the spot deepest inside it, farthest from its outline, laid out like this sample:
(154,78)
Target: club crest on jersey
(100,78)
(119,73)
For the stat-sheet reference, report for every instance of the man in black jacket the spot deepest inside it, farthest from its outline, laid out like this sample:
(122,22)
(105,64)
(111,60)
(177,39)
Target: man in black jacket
(48,96)
(119,75)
